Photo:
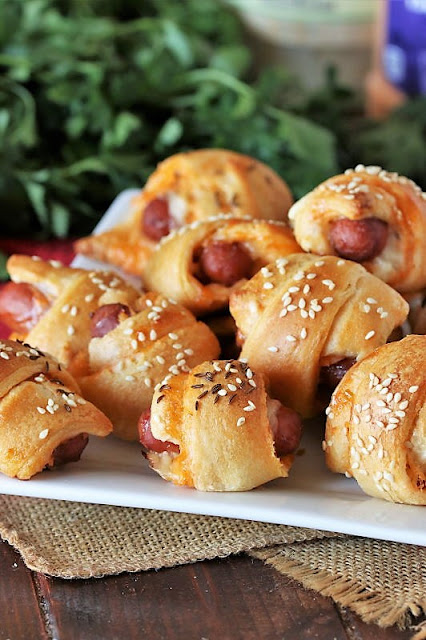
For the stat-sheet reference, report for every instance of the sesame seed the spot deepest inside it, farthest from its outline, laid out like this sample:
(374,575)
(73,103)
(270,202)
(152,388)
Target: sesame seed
(41,410)
(366,308)
(403,405)
(232,387)
(134,344)
(290,338)
(177,345)
(329,283)
(303,333)
(240,421)
(73,311)
(148,382)
(292,290)
(153,334)
(43,434)
(311,276)
(388,476)
(189,352)
(89,297)
(173,336)
(413,389)
(222,392)
(327,300)
(160,359)
(128,332)
(252,383)
(355,465)
(371,301)
(268,285)
(273,349)
(65,308)
(369,335)
(70,330)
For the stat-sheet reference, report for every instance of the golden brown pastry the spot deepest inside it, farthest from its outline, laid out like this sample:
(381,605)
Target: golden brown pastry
(50,305)
(130,354)
(43,419)
(305,319)
(186,187)
(370,216)
(216,429)
(202,263)
(376,425)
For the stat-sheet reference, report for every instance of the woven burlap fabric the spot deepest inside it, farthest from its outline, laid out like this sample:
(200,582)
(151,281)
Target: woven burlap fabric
(383,582)
(77,540)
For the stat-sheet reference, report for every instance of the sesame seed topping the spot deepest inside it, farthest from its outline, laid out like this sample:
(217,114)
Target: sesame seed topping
(369,335)
(70,330)
(327,300)
(268,285)
(371,301)
(240,421)
(153,334)
(130,378)
(413,388)
(43,434)
(273,349)
(41,410)
(160,359)
(173,336)
(290,338)
(89,297)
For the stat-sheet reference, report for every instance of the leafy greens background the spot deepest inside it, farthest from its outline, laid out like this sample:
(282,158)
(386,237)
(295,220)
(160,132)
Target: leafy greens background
(94,93)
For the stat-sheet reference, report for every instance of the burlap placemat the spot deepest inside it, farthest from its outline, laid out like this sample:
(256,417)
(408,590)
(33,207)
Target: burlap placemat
(77,540)
(383,582)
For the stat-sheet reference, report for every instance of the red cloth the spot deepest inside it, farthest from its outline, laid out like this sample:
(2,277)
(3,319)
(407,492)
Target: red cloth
(61,250)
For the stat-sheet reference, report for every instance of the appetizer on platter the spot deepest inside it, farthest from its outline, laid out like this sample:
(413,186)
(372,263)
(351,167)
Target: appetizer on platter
(376,425)
(304,320)
(186,187)
(50,305)
(44,421)
(132,349)
(202,263)
(370,216)
(216,429)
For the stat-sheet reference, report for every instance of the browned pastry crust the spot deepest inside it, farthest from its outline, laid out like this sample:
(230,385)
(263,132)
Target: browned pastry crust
(160,339)
(197,185)
(74,294)
(40,409)
(376,425)
(305,312)
(221,426)
(264,241)
(363,193)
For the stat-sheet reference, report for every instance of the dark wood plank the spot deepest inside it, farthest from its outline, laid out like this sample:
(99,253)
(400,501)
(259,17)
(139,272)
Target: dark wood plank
(231,599)
(20,614)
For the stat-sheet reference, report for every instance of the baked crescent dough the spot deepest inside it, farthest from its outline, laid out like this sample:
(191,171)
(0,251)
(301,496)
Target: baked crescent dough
(362,194)
(305,312)
(264,241)
(196,185)
(158,339)
(40,410)
(220,423)
(73,295)
(376,425)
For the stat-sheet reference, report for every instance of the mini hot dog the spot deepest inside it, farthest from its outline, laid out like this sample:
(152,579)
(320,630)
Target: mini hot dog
(212,257)
(370,216)
(21,306)
(216,429)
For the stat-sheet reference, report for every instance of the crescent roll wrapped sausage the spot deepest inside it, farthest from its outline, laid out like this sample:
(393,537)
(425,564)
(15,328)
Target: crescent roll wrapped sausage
(376,425)
(216,429)
(186,187)
(211,257)
(304,320)
(50,305)
(370,216)
(132,350)
(44,421)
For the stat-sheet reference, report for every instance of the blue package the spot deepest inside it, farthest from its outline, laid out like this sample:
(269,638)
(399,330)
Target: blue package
(404,53)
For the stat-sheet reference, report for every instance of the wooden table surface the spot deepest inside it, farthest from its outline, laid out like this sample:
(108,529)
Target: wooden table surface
(226,599)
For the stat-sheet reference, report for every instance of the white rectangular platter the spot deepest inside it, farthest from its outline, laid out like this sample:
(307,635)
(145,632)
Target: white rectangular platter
(114,472)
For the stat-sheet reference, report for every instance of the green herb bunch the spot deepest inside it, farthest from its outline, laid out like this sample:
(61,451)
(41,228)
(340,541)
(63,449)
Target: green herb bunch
(94,93)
